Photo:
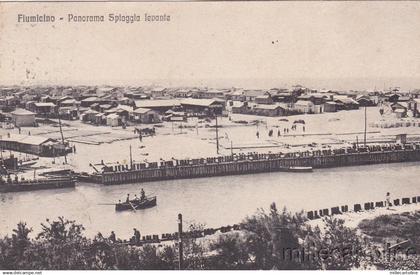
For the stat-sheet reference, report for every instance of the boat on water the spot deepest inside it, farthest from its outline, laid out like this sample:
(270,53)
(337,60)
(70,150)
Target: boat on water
(300,169)
(39,184)
(136,204)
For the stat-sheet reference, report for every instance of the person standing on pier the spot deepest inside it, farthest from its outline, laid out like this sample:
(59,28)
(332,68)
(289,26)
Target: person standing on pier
(112,237)
(136,236)
(388,200)
(258,134)
(128,198)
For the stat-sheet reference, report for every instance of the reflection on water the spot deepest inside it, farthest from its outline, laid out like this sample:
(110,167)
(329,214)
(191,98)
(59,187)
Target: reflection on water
(213,201)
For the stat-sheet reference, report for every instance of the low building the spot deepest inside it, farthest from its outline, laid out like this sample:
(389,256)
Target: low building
(250,95)
(346,103)
(89,116)
(158,92)
(284,97)
(264,99)
(237,107)
(113,120)
(304,106)
(364,100)
(268,110)
(144,115)
(69,103)
(236,95)
(400,112)
(100,119)
(400,109)
(330,107)
(87,102)
(36,145)
(44,108)
(207,107)
(23,118)
(160,106)
(68,113)
(174,116)
(414,106)
(208,94)
(181,93)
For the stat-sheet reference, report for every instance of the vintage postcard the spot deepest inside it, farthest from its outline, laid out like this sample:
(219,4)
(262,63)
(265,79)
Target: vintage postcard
(209,135)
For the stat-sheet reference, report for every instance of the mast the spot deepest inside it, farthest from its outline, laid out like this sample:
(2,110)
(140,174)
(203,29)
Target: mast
(62,137)
(131,159)
(217,136)
(364,138)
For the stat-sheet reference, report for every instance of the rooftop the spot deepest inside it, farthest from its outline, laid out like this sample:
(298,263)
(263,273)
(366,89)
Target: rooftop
(32,140)
(141,110)
(157,103)
(22,112)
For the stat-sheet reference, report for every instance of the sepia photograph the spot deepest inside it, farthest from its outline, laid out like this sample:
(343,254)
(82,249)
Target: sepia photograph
(244,135)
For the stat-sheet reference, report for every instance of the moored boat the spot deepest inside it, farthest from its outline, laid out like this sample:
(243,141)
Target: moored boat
(40,184)
(300,169)
(136,204)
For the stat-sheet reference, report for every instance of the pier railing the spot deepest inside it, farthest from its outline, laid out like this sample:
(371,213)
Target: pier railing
(257,163)
(359,207)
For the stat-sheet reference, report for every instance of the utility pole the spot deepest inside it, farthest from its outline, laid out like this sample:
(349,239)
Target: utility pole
(131,159)
(62,137)
(231,148)
(180,245)
(365,127)
(217,136)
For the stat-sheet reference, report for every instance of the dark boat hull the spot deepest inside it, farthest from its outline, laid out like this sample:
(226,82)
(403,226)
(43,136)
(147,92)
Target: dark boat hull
(44,184)
(136,204)
(299,169)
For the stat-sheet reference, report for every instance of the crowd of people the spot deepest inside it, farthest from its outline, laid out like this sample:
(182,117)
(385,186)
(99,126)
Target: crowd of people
(285,131)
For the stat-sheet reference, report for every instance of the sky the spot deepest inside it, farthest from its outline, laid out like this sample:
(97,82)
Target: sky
(339,45)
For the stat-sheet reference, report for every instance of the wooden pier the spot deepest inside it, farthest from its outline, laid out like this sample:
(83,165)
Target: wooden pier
(256,163)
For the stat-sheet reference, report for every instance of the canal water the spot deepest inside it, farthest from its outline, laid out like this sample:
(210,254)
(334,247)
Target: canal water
(213,201)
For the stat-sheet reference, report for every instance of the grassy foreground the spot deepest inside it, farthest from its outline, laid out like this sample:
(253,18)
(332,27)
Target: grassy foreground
(268,240)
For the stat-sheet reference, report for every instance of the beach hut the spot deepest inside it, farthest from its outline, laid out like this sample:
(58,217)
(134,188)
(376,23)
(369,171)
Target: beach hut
(113,120)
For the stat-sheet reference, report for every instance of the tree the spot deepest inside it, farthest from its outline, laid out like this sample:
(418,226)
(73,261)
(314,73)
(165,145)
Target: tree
(232,252)
(271,236)
(193,250)
(338,247)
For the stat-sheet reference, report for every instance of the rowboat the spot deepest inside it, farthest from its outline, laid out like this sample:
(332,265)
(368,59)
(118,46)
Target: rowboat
(136,204)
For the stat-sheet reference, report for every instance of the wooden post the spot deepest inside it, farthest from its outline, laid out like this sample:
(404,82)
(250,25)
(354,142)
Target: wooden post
(180,246)
(217,136)
(365,127)
(131,159)
(62,137)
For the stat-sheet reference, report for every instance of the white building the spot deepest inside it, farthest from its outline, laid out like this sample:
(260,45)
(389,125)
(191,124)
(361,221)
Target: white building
(113,120)
(22,118)
(304,106)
